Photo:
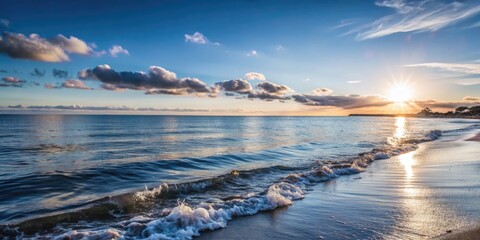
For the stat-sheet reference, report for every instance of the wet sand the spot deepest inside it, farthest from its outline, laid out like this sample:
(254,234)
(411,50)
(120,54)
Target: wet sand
(469,234)
(432,192)
(475,138)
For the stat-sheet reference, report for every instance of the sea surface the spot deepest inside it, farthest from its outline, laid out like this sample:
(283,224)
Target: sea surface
(173,177)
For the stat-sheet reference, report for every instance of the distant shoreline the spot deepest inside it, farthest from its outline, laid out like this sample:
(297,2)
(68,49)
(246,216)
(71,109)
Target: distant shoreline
(410,115)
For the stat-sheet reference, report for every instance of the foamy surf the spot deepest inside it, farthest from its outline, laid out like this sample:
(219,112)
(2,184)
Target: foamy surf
(186,220)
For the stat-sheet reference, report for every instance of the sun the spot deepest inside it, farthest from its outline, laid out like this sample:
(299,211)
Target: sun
(400,93)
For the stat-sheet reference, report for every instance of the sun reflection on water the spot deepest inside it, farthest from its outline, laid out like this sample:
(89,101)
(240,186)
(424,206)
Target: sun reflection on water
(408,161)
(400,130)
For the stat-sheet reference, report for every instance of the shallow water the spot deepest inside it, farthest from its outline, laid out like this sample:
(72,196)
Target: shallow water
(218,167)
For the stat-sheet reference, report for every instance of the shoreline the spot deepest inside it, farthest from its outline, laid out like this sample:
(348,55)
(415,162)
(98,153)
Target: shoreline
(475,138)
(472,233)
(421,194)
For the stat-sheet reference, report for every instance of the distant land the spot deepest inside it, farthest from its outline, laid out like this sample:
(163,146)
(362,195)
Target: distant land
(459,112)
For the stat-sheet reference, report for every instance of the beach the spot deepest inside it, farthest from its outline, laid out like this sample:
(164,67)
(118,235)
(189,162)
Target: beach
(432,192)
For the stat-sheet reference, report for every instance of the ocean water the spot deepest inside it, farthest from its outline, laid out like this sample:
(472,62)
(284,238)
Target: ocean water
(172,177)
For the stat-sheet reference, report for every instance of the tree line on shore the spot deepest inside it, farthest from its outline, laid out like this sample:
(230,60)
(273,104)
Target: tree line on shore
(461,111)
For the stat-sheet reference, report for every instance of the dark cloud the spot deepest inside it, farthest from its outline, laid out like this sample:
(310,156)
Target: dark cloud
(345,102)
(59,73)
(268,96)
(157,81)
(239,86)
(34,47)
(3,71)
(166,91)
(273,88)
(37,73)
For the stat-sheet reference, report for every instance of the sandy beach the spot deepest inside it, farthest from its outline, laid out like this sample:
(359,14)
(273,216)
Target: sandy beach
(432,192)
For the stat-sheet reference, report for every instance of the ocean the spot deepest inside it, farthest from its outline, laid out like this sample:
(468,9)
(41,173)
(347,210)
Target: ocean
(173,177)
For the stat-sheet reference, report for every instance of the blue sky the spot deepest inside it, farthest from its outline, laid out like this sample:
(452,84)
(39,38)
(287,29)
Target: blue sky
(315,57)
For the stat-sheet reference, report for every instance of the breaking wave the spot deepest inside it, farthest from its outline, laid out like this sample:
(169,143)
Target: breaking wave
(156,213)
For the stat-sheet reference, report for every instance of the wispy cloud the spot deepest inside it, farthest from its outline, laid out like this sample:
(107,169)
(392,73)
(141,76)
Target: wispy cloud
(468,68)
(4,23)
(252,53)
(199,38)
(345,102)
(322,91)
(416,16)
(37,73)
(70,83)
(115,50)
(12,82)
(353,82)
(59,73)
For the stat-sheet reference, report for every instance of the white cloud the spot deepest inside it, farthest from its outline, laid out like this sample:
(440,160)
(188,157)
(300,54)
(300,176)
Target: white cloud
(353,82)
(197,37)
(280,48)
(252,53)
(117,49)
(255,75)
(416,16)
(468,68)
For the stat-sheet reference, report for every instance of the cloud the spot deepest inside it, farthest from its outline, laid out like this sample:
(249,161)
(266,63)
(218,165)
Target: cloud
(471,99)
(252,53)
(198,38)
(255,76)
(71,44)
(468,68)
(115,50)
(353,82)
(273,88)
(12,82)
(34,47)
(446,104)
(280,48)
(70,83)
(416,16)
(102,108)
(156,80)
(239,86)
(59,73)
(322,91)
(3,71)
(4,23)
(268,96)
(37,73)
(345,102)
(74,83)
(401,6)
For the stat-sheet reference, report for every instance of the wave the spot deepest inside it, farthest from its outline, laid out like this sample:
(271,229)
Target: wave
(184,220)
